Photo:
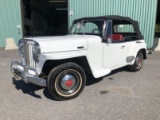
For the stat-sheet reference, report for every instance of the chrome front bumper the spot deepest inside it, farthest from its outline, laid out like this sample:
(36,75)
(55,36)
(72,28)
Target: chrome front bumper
(23,72)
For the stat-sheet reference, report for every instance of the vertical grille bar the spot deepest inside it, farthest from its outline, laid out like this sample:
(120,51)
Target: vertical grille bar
(29,55)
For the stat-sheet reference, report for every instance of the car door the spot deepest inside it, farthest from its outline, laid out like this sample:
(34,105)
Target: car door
(112,50)
(113,55)
(116,50)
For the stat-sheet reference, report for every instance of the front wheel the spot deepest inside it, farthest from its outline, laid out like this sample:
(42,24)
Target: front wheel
(138,63)
(66,81)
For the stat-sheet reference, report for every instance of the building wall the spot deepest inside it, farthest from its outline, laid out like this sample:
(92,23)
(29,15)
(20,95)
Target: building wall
(10,19)
(143,11)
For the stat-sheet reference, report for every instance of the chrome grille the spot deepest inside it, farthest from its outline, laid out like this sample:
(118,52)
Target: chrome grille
(29,55)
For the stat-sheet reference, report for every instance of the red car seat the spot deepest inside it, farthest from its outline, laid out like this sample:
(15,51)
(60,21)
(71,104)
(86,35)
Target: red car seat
(116,37)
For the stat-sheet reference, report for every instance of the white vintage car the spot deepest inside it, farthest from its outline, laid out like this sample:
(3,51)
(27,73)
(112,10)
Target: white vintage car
(97,45)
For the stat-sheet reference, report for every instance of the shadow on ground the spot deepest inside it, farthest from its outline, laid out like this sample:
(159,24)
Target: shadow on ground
(30,89)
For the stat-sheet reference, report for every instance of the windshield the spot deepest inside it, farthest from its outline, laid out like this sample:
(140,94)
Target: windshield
(87,27)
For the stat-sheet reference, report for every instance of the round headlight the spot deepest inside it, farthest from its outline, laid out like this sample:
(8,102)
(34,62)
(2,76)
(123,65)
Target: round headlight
(20,47)
(36,49)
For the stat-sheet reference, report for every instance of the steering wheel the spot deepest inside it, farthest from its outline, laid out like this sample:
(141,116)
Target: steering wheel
(93,31)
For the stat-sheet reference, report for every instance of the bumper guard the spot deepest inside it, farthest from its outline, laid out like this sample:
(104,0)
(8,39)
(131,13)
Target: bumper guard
(25,75)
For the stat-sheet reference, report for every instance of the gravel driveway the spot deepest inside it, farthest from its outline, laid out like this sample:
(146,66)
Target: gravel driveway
(120,96)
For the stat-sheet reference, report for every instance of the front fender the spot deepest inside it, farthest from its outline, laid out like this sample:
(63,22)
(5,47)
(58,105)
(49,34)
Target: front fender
(58,56)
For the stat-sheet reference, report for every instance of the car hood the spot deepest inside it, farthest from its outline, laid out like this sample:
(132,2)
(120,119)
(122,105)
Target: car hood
(61,43)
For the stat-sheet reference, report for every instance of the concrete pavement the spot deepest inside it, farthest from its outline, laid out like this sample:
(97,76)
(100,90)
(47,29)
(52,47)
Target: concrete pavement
(120,96)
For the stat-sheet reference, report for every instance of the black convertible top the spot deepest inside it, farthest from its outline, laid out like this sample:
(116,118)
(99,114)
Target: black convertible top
(124,20)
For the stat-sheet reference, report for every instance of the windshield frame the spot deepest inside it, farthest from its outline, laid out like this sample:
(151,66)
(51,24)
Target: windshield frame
(82,22)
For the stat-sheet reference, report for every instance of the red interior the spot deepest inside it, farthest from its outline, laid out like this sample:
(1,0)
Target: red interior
(116,37)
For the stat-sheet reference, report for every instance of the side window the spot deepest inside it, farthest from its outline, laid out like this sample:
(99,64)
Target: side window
(123,28)
(110,35)
(91,28)
(124,31)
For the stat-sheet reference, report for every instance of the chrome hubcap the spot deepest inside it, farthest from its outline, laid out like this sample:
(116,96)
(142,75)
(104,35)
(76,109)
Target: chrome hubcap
(68,82)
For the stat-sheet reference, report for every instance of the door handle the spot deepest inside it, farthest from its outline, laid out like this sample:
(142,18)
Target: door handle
(139,42)
(122,47)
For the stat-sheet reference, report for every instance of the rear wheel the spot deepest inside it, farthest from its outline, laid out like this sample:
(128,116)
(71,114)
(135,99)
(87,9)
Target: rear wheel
(138,63)
(66,81)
